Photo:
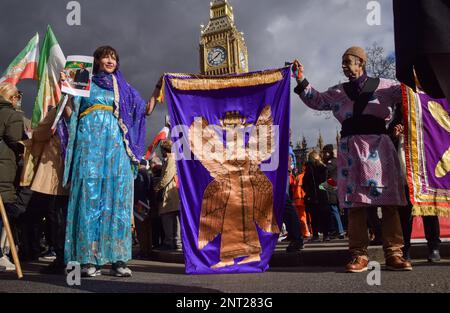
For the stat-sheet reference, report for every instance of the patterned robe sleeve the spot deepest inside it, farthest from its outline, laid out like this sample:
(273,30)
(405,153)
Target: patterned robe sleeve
(395,89)
(393,92)
(321,101)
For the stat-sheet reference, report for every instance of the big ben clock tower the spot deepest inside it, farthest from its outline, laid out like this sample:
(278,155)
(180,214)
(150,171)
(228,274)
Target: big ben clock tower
(222,46)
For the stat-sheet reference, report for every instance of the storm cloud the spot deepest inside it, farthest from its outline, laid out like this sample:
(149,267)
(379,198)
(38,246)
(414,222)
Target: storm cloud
(159,36)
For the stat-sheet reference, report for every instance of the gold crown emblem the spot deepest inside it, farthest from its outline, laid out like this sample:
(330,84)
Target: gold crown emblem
(233,118)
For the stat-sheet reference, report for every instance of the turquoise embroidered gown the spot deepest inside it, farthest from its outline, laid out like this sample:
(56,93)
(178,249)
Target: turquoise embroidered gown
(100,173)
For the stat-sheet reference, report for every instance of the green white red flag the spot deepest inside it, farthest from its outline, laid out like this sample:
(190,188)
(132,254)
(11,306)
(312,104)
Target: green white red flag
(24,66)
(51,63)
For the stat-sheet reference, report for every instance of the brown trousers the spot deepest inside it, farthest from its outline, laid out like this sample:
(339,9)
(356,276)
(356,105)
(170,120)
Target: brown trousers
(391,232)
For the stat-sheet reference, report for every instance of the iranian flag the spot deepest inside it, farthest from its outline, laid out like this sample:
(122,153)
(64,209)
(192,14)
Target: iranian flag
(51,63)
(24,65)
(153,149)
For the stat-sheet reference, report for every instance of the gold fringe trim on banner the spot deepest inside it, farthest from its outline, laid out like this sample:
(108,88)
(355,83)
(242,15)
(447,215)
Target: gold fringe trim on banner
(202,82)
(430,210)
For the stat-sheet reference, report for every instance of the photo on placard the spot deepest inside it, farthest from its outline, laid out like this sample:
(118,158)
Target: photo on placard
(78,70)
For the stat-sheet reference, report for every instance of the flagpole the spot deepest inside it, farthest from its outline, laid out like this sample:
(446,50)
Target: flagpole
(10,239)
(60,112)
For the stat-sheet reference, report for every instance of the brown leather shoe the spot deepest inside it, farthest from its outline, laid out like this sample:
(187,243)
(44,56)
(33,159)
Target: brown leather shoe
(398,263)
(357,265)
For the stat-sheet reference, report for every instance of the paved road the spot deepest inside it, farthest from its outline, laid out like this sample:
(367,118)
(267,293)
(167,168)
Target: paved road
(151,276)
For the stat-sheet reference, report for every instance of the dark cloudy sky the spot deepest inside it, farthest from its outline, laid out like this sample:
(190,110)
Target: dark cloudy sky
(157,36)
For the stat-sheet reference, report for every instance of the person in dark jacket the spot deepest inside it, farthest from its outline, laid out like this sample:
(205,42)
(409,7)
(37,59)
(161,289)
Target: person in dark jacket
(11,132)
(142,219)
(316,199)
(331,163)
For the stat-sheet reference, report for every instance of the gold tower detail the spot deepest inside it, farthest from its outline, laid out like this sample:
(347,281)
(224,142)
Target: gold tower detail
(222,46)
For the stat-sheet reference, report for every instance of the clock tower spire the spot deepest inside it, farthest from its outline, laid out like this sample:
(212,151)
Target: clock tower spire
(222,46)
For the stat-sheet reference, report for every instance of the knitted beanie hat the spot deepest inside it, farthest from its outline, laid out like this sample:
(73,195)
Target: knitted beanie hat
(357,51)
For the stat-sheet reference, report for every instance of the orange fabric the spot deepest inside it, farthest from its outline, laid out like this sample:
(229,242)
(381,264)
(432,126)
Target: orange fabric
(298,200)
(303,221)
(296,187)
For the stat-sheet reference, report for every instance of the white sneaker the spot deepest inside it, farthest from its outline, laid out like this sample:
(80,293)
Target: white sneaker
(90,271)
(5,262)
(120,269)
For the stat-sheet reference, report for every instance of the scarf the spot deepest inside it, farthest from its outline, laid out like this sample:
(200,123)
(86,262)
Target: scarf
(358,84)
(132,109)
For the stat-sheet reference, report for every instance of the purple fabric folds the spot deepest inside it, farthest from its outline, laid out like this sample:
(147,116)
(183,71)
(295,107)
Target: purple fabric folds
(63,134)
(435,140)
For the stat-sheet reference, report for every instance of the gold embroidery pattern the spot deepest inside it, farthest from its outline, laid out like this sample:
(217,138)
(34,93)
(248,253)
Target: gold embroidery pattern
(240,196)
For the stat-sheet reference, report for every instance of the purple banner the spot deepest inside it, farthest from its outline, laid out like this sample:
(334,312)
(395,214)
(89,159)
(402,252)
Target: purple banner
(436,139)
(231,139)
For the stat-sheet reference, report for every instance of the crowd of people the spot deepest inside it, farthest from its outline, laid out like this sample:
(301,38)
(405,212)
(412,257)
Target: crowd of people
(99,154)
(313,193)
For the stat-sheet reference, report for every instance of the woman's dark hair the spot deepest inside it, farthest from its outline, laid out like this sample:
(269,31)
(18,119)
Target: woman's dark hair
(102,52)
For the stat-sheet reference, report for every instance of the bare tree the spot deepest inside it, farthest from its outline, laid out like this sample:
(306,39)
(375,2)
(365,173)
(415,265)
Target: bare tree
(379,65)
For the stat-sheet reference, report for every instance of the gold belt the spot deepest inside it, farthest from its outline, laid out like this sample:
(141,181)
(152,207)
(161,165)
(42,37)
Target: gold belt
(95,107)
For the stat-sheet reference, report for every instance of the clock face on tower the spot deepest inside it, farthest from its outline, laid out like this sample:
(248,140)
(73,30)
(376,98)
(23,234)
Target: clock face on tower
(216,56)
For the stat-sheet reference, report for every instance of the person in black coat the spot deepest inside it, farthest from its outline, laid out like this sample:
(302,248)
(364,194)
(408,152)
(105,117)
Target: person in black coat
(330,162)
(143,192)
(11,133)
(316,199)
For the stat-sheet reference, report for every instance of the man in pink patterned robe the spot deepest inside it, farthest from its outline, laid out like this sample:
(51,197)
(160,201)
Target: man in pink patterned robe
(368,167)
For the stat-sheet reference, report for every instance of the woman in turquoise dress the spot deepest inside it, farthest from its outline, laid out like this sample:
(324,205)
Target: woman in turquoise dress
(106,141)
